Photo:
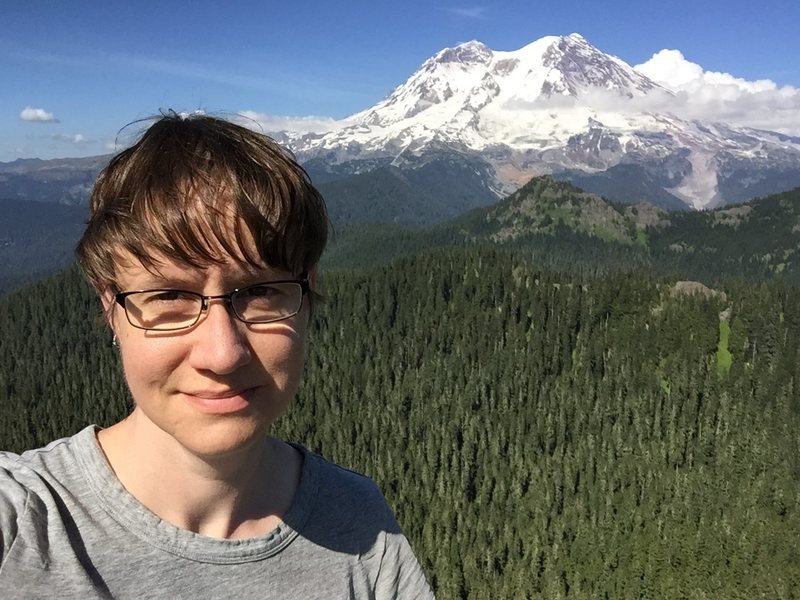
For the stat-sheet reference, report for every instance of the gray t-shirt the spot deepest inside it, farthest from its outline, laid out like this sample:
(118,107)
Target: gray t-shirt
(69,529)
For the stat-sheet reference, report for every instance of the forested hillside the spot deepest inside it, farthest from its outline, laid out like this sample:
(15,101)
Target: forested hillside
(36,238)
(557,224)
(540,434)
(552,222)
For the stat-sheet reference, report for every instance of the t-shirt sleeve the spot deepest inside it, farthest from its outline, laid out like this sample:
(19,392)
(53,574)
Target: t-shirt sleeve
(13,498)
(400,574)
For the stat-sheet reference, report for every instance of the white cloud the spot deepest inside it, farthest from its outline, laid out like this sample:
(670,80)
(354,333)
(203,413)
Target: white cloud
(186,115)
(470,12)
(75,138)
(670,69)
(714,96)
(39,115)
(298,125)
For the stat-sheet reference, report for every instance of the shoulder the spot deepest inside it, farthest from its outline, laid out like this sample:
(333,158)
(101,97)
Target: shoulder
(56,461)
(26,481)
(13,496)
(339,508)
(23,474)
(350,515)
(344,494)
(37,475)
(348,488)
(38,488)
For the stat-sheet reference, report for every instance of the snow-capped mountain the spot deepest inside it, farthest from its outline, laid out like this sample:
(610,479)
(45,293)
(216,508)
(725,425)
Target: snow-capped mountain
(557,105)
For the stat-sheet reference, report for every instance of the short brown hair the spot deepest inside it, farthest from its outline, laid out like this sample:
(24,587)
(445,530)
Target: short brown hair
(201,190)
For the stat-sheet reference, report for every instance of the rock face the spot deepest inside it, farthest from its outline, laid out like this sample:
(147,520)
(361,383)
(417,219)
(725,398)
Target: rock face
(690,288)
(558,105)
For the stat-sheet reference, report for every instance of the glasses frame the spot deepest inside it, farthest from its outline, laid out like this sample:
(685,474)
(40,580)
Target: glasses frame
(120,298)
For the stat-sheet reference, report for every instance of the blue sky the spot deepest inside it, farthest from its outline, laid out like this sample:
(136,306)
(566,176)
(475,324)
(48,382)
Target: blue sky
(84,69)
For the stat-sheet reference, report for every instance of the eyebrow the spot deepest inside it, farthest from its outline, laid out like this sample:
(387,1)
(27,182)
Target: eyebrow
(176,278)
(151,281)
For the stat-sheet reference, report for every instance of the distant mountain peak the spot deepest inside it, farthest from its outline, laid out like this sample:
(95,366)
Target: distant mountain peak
(557,105)
(543,204)
(583,67)
(576,37)
(472,52)
(459,88)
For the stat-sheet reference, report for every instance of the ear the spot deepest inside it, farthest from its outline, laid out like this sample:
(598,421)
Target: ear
(312,277)
(107,298)
(109,302)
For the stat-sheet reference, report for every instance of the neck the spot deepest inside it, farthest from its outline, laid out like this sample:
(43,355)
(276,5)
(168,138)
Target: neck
(240,494)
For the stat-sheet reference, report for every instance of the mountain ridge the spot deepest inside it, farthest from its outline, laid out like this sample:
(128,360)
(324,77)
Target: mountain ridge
(755,240)
(559,104)
(567,228)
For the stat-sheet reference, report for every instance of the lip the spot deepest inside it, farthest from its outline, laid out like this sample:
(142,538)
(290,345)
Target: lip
(219,402)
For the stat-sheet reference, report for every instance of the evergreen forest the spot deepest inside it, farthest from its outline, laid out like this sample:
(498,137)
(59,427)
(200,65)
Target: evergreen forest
(556,224)
(542,429)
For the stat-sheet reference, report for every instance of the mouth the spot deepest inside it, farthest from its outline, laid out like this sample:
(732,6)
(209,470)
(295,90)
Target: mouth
(218,395)
(219,401)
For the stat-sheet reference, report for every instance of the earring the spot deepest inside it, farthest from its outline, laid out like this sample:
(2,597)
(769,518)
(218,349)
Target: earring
(114,341)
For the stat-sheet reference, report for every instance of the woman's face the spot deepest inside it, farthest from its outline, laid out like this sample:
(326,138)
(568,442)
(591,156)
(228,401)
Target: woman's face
(219,385)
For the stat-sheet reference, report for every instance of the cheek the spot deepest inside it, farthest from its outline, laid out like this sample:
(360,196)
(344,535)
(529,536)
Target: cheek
(282,358)
(147,365)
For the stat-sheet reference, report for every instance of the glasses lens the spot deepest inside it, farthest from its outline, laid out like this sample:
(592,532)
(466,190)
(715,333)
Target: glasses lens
(268,302)
(163,309)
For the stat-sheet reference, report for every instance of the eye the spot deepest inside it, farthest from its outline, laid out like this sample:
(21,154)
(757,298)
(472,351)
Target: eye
(170,297)
(262,291)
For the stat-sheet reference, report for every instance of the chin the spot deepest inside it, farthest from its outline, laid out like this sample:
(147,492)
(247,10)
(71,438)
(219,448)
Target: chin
(221,439)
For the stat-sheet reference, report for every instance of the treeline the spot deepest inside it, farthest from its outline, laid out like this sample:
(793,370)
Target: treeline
(540,435)
(551,222)
(757,241)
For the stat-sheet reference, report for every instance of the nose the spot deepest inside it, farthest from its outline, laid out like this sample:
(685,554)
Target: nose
(220,341)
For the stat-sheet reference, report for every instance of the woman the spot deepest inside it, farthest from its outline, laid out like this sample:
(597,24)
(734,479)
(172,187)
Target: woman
(202,245)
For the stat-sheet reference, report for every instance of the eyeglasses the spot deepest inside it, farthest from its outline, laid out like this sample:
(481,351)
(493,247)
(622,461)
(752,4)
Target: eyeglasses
(171,310)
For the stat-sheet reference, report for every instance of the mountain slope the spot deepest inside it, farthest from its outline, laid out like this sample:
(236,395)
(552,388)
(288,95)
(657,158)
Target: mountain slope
(560,104)
(567,228)
(543,205)
(439,189)
(63,180)
(625,184)
(36,238)
(556,106)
